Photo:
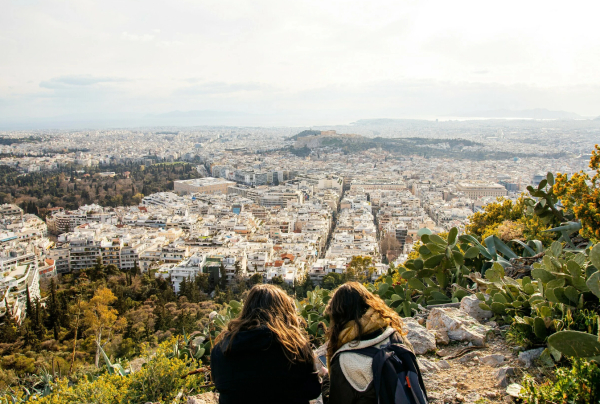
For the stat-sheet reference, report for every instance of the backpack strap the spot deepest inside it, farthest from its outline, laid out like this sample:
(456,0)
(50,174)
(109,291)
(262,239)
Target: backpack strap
(409,361)
(412,364)
(380,356)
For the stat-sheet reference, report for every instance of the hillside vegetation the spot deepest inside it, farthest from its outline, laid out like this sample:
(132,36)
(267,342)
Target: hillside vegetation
(35,192)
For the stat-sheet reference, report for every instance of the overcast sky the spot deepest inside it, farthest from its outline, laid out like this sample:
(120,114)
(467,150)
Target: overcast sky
(306,62)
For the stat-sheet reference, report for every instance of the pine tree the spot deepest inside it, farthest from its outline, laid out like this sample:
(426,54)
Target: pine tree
(54,310)
(64,319)
(28,335)
(28,306)
(9,327)
(136,269)
(183,288)
(223,276)
(159,318)
(37,325)
(202,283)
(98,270)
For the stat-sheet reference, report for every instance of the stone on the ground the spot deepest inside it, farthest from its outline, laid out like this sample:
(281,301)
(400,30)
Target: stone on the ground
(137,363)
(443,364)
(421,339)
(472,397)
(205,398)
(502,376)
(470,305)
(427,366)
(458,324)
(492,360)
(526,358)
(514,390)
(449,395)
(441,337)
(468,357)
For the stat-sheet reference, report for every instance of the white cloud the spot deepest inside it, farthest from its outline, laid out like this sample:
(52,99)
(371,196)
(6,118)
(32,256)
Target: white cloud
(135,37)
(169,44)
(385,57)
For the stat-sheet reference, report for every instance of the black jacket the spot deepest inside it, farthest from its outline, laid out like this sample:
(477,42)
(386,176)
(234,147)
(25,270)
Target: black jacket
(256,370)
(341,391)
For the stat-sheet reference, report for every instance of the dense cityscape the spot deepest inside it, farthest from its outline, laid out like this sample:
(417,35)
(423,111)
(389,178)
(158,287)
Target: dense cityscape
(141,233)
(261,201)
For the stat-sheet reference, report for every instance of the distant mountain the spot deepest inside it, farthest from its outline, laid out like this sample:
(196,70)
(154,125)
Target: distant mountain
(538,113)
(195,114)
(386,121)
(304,133)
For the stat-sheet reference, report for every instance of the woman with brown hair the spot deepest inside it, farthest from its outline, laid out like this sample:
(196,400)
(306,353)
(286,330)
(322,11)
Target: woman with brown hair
(358,320)
(264,355)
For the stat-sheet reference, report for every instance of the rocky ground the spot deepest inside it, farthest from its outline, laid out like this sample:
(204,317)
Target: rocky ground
(470,361)
(477,376)
(463,356)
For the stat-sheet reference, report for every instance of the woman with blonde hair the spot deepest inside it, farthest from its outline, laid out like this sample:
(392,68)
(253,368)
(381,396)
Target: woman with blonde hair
(368,356)
(264,355)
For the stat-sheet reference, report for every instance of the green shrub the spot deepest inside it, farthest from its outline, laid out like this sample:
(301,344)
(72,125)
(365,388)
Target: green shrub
(579,384)
(159,380)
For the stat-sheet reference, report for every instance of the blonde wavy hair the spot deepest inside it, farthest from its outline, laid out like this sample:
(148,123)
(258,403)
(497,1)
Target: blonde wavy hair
(349,303)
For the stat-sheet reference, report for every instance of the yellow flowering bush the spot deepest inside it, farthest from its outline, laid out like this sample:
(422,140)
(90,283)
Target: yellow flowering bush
(494,214)
(509,220)
(581,195)
(159,380)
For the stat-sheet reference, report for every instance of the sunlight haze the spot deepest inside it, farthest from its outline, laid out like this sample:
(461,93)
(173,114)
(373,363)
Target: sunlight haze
(279,62)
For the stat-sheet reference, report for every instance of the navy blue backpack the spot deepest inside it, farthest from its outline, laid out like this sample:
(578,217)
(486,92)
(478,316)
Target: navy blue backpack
(396,375)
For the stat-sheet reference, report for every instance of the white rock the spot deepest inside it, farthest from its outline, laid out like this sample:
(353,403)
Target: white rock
(502,376)
(470,305)
(427,366)
(206,398)
(458,324)
(441,337)
(468,357)
(421,339)
(492,360)
(514,390)
(472,397)
(443,364)
(527,357)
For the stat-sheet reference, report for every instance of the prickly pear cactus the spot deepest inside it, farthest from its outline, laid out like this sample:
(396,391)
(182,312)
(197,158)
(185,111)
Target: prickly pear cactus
(577,344)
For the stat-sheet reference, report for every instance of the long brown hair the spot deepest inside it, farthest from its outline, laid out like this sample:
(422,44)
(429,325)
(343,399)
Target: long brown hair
(349,303)
(268,305)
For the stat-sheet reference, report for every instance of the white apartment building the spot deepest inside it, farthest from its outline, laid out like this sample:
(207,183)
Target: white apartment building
(15,279)
(187,269)
(208,185)
(479,189)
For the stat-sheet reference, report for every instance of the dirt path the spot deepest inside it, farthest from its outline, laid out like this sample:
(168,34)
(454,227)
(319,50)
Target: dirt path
(467,379)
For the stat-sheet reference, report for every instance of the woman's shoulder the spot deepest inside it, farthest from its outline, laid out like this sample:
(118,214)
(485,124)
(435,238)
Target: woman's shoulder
(259,338)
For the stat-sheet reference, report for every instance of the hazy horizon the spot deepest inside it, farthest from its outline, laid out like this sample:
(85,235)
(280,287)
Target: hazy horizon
(270,63)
